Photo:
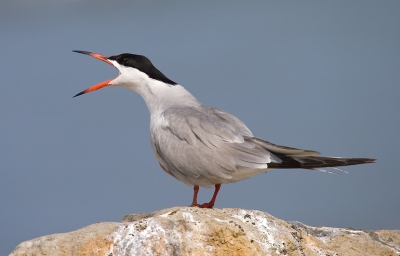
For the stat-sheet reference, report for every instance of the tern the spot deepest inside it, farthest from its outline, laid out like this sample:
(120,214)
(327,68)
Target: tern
(199,145)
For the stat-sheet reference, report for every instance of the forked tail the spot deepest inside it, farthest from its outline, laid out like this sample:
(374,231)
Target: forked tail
(306,159)
(314,162)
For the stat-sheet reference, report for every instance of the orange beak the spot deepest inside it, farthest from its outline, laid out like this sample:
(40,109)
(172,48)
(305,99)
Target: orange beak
(99,85)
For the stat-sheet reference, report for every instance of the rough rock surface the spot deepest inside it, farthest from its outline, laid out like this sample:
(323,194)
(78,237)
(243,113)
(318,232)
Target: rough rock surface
(193,231)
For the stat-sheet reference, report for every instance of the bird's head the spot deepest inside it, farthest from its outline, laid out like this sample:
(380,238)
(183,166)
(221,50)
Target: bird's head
(133,70)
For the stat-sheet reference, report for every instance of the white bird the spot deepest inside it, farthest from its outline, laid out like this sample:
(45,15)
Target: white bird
(200,145)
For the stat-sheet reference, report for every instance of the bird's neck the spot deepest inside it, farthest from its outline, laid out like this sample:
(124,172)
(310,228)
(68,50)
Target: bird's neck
(160,96)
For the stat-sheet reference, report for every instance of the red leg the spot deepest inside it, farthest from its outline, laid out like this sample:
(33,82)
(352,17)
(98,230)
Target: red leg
(212,202)
(195,191)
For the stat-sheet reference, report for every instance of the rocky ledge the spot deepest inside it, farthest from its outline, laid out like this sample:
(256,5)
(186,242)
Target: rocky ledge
(194,231)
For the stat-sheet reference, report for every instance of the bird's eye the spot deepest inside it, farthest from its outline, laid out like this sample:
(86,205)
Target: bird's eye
(125,62)
(121,60)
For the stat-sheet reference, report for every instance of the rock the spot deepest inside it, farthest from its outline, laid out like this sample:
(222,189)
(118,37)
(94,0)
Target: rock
(95,239)
(193,231)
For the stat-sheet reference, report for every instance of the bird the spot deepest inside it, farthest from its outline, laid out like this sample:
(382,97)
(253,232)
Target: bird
(199,145)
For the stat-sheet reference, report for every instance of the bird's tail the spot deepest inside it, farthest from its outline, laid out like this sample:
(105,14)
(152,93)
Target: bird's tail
(315,162)
(288,158)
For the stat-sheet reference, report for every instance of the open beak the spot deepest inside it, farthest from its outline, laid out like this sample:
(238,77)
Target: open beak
(99,85)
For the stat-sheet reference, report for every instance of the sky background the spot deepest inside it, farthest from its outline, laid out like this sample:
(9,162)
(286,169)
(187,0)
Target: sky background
(320,75)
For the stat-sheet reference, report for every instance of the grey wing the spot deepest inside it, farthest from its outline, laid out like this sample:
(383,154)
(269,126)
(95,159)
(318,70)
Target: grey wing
(228,118)
(207,146)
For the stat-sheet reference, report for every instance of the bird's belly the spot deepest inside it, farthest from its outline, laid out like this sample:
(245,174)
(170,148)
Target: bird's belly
(198,164)
(191,164)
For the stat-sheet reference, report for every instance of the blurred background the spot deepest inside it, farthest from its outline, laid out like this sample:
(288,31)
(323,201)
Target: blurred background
(320,75)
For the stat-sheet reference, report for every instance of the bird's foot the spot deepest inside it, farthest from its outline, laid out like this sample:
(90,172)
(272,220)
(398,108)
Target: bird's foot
(206,205)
